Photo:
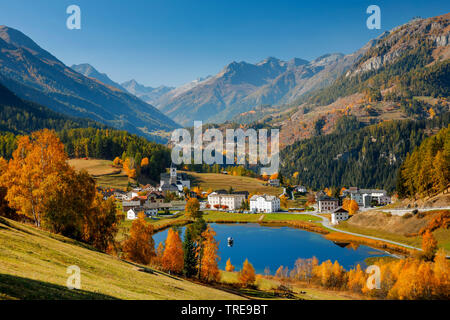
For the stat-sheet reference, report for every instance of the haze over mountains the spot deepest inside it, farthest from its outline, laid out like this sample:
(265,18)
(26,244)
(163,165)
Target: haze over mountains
(36,75)
(148,94)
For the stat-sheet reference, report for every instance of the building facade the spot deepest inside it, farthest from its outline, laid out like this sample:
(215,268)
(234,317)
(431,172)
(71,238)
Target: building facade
(232,201)
(368,197)
(327,204)
(338,215)
(264,203)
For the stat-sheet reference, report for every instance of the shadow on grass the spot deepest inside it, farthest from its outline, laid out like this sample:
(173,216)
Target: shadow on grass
(151,271)
(195,181)
(14,287)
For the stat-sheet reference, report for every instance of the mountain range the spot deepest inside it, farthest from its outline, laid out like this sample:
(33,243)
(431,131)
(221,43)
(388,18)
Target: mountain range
(291,95)
(148,94)
(35,75)
(89,71)
(241,86)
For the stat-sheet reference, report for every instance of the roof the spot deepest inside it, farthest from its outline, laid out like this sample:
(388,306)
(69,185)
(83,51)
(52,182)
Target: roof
(357,190)
(327,198)
(221,191)
(265,196)
(169,187)
(340,209)
(242,192)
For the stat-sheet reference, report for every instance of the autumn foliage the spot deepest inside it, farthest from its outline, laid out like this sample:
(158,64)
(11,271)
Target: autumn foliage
(192,208)
(350,205)
(173,258)
(429,246)
(425,171)
(409,278)
(247,274)
(140,247)
(229,267)
(44,188)
(209,269)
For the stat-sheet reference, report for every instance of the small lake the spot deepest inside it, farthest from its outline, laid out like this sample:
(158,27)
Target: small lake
(274,246)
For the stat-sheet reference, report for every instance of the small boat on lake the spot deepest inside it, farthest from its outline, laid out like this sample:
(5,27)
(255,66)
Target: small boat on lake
(230,241)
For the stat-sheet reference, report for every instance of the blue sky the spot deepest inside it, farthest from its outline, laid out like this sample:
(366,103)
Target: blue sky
(170,42)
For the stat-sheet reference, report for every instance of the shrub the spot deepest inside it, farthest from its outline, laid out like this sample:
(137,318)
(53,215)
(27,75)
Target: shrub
(407,215)
(420,215)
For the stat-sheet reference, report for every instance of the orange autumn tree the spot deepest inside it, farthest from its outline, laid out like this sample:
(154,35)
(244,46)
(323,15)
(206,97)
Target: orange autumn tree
(441,271)
(129,167)
(192,208)
(284,201)
(247,274)
(229,267)
(38,159)
(353,207)
(140,247)
(144,162)
(101,223)
(157,260)
(117,161)
(429,246)
(350,205)
(173,258)
(209,269)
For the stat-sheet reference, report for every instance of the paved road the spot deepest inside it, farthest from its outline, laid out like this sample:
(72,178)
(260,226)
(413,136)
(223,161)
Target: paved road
(326,223)
(401,212)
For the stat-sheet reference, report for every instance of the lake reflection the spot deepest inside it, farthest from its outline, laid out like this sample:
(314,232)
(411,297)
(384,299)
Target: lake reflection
(274,246)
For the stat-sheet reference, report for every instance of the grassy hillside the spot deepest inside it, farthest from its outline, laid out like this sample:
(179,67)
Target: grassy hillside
(396,228)
(217,181)
(95,167)
(103,172)
(33,265)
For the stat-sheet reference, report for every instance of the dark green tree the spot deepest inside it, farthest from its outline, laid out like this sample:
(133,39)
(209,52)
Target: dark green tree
(190,261)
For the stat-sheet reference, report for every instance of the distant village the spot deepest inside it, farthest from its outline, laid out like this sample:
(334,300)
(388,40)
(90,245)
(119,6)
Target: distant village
(154,200)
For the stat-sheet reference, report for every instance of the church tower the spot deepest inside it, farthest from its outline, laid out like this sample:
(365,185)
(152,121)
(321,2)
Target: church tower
(173,175)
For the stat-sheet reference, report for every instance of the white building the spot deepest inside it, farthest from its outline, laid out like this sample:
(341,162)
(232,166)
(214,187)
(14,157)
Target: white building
(300,189)
(232,201)
(327,204)
(365,197)
(338,215)
(264,203)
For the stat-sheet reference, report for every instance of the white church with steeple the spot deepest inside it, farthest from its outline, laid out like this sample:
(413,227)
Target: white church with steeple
(174,181)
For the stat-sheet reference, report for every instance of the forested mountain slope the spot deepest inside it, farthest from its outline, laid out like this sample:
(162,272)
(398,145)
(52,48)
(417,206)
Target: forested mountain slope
(368,157)
(36,75)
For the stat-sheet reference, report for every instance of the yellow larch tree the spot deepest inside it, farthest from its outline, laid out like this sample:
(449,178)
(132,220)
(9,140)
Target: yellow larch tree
(173,259)
(247,274)
(209,269)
